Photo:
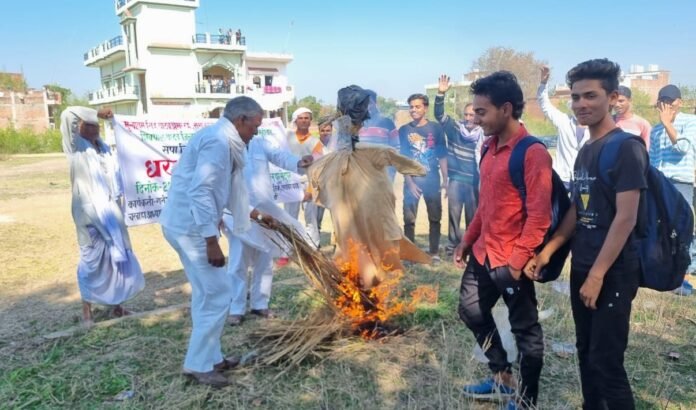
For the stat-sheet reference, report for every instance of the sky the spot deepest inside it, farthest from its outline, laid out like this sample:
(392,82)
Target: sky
(393,47)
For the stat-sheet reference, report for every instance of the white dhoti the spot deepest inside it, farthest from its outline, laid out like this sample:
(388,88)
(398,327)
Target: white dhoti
(211,292)
(104,280)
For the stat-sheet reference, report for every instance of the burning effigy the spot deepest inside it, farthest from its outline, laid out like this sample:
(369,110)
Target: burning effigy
(359,286)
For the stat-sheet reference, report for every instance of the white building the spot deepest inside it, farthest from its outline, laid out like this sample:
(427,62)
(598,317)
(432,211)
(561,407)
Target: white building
(159,65)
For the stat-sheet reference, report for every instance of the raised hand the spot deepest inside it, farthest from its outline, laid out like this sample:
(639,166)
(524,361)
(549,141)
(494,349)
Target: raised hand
(443,84)
(545,73)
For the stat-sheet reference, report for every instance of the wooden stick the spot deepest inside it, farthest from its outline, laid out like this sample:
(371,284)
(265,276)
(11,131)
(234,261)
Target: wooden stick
(107,323)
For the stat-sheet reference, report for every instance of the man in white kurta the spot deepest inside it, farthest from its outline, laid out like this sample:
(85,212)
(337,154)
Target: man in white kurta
(244,253)
(207,179)
(108,272)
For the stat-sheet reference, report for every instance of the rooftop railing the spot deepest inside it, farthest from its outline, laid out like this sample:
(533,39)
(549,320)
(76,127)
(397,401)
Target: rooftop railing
(106,93)
(103,47)
(222,39)
(121,3)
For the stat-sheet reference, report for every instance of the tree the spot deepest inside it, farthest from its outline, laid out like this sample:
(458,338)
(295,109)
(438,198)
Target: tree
(310,102)
(66,100)
(387,106)
(12,82)
(640,104)
(523,64)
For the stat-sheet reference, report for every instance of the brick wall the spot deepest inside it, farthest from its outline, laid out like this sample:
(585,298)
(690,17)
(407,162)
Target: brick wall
(24,110)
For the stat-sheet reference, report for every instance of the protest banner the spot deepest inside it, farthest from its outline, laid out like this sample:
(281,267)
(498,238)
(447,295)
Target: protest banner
(147,152)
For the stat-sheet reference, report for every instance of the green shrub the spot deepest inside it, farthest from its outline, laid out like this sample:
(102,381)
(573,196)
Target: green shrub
(26,141)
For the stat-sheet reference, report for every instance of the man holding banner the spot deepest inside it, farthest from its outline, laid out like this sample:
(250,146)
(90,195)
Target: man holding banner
(208,178)
(255,249)
(108,272)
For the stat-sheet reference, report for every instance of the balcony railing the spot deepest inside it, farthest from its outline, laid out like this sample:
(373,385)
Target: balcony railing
(206,88)
(115,92)
(121,3)
(222,39)
(103,48)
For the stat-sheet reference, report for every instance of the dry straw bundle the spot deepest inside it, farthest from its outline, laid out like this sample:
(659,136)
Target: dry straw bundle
(290,342)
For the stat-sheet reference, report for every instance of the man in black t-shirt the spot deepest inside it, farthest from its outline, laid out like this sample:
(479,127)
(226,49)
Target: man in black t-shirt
(605,268)
(424,141)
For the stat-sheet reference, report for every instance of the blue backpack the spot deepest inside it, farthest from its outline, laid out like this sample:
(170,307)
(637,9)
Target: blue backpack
(560,203)
(665,239)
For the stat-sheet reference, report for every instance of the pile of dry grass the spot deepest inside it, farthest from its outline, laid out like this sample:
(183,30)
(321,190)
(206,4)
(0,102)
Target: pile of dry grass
(291,342)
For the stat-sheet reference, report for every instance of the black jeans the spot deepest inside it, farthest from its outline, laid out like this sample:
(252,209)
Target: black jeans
(433,203)
(460,195)
(602,337)
(480,290)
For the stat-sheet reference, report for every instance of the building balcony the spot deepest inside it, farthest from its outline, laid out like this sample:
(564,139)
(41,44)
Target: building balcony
(104,50)
(122,5)
(218,42)
(270,97)
(114,94)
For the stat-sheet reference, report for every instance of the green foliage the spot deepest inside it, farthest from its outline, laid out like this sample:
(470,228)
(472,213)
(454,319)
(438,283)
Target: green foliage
(641,105)
(67,99)
(456,99)
(26,141)
(311,102)
(539,126)
(387,106)
(12,82)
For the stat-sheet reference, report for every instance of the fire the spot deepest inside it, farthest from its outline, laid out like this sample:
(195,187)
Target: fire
(369,309)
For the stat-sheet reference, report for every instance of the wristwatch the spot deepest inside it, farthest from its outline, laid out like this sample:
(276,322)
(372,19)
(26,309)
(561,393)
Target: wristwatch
(259,217)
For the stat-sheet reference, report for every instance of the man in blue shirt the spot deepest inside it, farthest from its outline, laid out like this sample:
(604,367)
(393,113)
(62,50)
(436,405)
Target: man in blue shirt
(424,141)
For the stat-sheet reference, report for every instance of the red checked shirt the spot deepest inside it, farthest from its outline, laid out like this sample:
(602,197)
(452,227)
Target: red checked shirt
(500,230)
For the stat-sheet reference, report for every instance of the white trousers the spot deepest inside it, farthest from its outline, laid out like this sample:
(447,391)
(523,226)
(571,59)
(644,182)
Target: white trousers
(310,217)
(242,257)
(211,293)
(311,225)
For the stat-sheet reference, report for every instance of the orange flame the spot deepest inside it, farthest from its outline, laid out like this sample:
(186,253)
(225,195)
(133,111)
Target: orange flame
(367,309)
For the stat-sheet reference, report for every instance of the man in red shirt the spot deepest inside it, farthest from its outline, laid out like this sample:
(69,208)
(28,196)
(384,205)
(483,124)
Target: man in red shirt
(501,239)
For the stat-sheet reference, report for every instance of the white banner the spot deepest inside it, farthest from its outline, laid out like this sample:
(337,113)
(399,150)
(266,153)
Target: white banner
(148,149)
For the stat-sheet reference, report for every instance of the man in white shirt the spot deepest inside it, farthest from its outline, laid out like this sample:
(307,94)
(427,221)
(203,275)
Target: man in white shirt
(208,178)
(258,253)
(301,143)
(571,135)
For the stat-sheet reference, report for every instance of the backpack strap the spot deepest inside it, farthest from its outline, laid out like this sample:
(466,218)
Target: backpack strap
(609,154)
(516,165)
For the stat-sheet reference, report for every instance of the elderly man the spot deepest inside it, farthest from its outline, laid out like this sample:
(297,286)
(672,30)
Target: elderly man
(108,272)
(207,179)
(257,254)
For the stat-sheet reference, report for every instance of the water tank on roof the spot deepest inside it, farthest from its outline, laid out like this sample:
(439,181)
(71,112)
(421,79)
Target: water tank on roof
(637,68)
(653,67)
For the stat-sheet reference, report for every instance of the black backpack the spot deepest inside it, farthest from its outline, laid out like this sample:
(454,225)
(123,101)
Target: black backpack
(560,203)
(669,226)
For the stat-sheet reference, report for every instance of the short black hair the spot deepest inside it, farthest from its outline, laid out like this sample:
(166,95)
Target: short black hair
(501,87)
(426,100)
(607,72)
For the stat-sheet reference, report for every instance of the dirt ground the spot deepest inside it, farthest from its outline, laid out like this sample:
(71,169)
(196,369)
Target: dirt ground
(39,254)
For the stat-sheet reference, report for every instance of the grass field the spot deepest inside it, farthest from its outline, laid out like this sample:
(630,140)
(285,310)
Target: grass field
(421,369)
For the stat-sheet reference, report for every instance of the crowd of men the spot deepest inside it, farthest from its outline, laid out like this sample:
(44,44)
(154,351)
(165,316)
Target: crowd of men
(222,180)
